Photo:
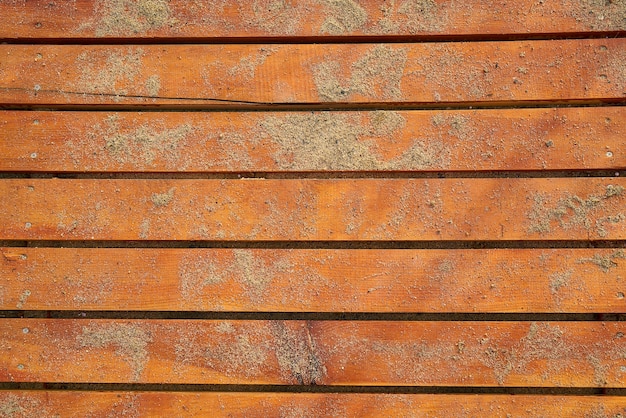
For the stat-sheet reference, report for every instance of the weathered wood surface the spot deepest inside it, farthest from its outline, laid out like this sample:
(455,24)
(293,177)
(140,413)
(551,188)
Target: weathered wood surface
(206,19)
(269,280)
(566,354)
(589,70)
(77,404)
(311,209)
(443,140)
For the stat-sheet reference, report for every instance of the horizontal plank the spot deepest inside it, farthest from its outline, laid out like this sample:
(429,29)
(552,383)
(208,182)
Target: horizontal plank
(239,75)
(312,209)
(565,354)
(520,280)
(235,19)
(464,140)
(227,404)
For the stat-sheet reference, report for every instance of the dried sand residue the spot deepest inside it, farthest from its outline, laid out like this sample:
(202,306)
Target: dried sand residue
(544,343)
(247,65)
(142,145)
(14,406)
(274,17)
(605,262)
(296,353)
(559,280)
(376,75)
(572,212)
(131,17)
(130,342)
(11,407)
(244,354)
(254,273)
(153,85)
(162,199)
(597,14)
(241,350)
(339,141)
(422,16)
(343,16)
(108,73)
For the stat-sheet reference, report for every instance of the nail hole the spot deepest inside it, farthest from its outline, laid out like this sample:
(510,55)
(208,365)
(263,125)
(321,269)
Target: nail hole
(20,367)
(28,225)
(620,295)
(33,155)
(25,330)
(36,122)
(609,154)
(37,87)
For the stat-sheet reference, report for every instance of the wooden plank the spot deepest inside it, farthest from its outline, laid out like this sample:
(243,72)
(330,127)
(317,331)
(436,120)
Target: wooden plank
(253,280)
(234,19)
(227,404)
(312,209)
(565,354)
(239,75)
(464,140)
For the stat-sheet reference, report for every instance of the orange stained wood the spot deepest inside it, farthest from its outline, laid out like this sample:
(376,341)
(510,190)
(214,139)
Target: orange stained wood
(441,140)
(287,20)
(379,353)
(281,280)
(312,209)
(250,405)
(589,70)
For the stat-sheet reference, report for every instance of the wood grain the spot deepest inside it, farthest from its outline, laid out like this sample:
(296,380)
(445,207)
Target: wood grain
(227,404)
(565,354)
(255,280)
(208,19)
(311,209)
(464,140)
(589,70)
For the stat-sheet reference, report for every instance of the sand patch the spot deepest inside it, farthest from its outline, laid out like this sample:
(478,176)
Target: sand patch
(605,262)
(344,16)
(140,146)
(130,342)
(131,17)
(162,199)
(110,77)
(376,76)
(340,141)
(572,212)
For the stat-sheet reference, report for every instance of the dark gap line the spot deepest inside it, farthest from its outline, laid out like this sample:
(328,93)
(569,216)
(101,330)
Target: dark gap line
(168,387)
(353,39)
(212,105)
(315,316)
(321,245)
(316,175)
(305,107)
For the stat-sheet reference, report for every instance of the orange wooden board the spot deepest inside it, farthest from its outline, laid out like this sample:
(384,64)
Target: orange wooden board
(249,405)
(311,209)
(285,19)
(267,280)
(589,70)
(566,354)
(464,140)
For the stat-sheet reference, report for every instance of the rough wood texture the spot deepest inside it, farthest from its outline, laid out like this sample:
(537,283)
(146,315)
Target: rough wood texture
(226,75)
(262,405)
(466,140)
(245,280)
(318,18)
(310,209)
(567,354)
